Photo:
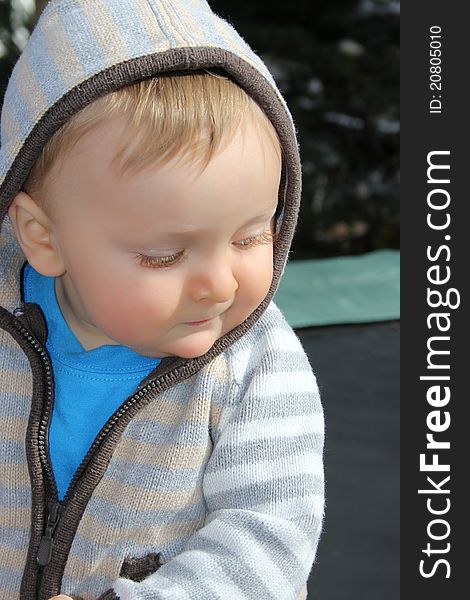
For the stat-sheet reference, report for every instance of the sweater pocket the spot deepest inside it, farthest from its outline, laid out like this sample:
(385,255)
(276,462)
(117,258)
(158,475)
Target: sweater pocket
(137,569)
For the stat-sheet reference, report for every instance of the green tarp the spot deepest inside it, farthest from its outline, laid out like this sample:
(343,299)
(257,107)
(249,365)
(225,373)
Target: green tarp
(347,289)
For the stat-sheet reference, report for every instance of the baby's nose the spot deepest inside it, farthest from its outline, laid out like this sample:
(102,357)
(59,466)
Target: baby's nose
(215,280)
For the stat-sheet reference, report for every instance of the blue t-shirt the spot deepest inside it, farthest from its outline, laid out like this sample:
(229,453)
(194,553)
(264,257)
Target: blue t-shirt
(89,385)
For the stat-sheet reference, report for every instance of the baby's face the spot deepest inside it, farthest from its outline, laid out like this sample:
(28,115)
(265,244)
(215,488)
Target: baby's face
(149,254)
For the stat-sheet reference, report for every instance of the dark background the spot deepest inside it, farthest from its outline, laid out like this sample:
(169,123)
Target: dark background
(336,63)
(358,372)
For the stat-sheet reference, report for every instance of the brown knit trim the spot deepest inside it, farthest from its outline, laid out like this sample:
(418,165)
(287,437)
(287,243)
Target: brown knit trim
(176,60)
(38,491)
(34,321)
(137,569)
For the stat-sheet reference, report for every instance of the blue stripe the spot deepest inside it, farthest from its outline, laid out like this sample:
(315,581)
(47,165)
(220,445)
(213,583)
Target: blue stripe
(10,449)
(131,28)
(10,579)
(243,575)
(77,27)
(18,107)
(43,67)
(230,34)
(148,477)
(304,485)
(14,355)
(161,24)
(207,25)
(5,160)
(13,404)
(14,537)
(104,510)
(16,496)
(93,584)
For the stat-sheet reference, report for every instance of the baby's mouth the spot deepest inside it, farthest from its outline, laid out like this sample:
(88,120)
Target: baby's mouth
(193,323)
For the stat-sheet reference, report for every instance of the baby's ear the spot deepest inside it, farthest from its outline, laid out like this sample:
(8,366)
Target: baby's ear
(34,232)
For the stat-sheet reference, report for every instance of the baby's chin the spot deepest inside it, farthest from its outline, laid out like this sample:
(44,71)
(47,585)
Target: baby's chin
(182,350)
(183,342)
(193,348)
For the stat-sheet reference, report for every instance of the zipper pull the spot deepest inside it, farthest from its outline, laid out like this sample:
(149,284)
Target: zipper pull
(45,547)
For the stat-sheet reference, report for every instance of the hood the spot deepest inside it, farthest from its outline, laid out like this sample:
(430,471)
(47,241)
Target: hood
(83,49)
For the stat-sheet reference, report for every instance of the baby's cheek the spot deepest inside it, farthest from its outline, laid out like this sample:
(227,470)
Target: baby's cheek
(258,279)
(134,311)
(254,283)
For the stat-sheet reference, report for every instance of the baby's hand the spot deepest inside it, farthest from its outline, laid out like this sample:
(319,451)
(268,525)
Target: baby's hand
(61,597)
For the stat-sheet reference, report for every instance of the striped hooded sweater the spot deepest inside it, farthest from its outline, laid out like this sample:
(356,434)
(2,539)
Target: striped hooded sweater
(207,482)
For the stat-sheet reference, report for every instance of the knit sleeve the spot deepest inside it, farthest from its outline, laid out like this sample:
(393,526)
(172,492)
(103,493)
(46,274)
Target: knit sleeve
(264,491)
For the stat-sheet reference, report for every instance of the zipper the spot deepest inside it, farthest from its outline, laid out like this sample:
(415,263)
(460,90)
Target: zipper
(47,541)
(44,554)
(45,546)
(42,437)
(55,507)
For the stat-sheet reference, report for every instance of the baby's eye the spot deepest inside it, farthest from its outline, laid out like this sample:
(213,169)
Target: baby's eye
(161,262)
(265,238)
(158,262)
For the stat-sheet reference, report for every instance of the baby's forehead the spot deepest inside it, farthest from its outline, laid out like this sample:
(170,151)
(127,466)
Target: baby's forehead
(132,149)
(187,118)
(240,178)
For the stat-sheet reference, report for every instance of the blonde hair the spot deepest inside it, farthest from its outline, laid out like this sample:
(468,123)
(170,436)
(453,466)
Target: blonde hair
(187,114)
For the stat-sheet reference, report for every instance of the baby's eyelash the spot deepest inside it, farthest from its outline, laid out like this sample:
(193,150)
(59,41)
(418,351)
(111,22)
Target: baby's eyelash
(161,262)
(265,238)
(158,262)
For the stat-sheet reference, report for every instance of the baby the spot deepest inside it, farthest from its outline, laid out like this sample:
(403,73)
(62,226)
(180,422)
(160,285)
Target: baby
(163,426)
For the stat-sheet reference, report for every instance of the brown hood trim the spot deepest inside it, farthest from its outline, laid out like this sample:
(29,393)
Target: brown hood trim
(171,370)
(177,60)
